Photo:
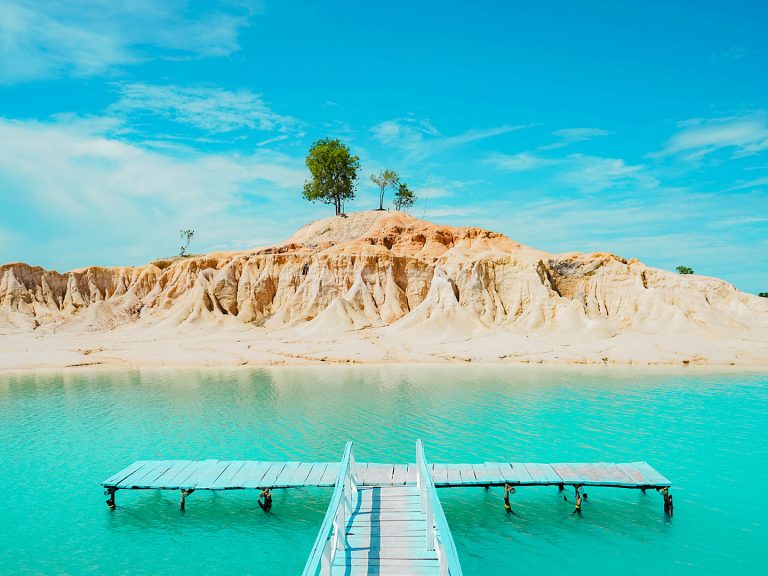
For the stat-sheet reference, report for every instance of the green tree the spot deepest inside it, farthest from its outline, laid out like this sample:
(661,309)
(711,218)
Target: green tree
(763,294)
(404,197)
(334,173)
(186,238)
(684,270)
(384,180)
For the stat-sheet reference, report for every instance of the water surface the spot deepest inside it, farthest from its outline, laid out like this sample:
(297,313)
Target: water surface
(62,433)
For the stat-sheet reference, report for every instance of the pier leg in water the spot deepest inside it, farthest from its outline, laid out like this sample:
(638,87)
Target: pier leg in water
(267,495)
(668,504)
(184,494)
(577,510)
(111,499)
(507,491)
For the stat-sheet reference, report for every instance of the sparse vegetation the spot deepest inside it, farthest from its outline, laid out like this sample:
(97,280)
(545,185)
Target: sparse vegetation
(384,180)
(684,270)
(186,237)
(334,173)
(404,197)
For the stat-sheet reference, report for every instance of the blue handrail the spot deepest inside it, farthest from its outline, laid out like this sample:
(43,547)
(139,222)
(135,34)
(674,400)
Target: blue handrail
(439,535)
(333,530)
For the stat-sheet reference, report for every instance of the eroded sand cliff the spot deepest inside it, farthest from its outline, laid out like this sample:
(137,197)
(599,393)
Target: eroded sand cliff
(376,287)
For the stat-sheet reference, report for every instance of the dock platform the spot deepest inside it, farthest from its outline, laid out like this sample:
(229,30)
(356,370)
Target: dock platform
(382,518)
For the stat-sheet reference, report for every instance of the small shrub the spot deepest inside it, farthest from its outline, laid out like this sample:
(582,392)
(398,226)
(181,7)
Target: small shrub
(684,270)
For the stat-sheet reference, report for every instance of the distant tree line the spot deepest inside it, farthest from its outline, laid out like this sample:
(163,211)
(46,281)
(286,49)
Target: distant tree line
(334,173)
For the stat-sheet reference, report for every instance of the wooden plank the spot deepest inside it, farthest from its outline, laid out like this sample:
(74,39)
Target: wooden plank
(150,473)
(400,474)
(440,474)
(330,474)
(166,479)
(360,470)
(410,477)
(493,472)
(566,473)
(255,474)
(542,473)
(453,475)
(124,473)
(283,478)
(300,475)
(272,474)
(651,475)
(378,474)
(238,479)
(224,481)
(467,474)
(206,476)
(318,468)
(481,473)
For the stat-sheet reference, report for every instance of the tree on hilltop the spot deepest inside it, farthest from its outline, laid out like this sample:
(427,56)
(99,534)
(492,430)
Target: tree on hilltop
(404,197)
(684,270)
(384,180)
(334,173)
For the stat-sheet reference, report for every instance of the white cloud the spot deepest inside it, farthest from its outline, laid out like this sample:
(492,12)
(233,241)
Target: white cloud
(586,173)
(49,38)
(698,138)
(522,161)
(570,136)
(97,199)
(211,109)
(419,139)
(595,174)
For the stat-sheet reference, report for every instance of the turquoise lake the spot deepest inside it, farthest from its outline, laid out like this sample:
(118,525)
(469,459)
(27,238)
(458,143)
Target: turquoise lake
(61,434)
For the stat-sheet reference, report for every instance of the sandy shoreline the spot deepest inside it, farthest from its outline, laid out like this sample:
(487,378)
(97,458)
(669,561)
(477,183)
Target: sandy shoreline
(232,346)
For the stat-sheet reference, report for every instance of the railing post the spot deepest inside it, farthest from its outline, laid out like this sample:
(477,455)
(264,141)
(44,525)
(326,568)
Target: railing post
(325,562)
(430,528)
(341,525)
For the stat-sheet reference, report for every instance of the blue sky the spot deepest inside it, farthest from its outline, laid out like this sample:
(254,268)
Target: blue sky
(635,128)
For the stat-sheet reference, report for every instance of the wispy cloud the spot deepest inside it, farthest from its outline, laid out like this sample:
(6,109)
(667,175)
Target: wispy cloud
(210,109)
(520,162)
(568,136)
(729,55)
(99,199)
(49,38)
(419,139)
(744,136)
(585,173)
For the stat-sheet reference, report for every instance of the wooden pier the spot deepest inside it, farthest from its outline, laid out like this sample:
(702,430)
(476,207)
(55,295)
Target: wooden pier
(382,518)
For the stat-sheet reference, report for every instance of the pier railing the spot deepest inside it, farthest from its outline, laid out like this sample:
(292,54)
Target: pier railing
(439,536)
(332,535)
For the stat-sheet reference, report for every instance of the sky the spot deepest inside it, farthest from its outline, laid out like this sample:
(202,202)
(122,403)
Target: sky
(638,128)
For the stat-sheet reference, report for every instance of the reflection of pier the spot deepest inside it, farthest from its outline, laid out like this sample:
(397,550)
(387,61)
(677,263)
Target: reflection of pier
(382,518)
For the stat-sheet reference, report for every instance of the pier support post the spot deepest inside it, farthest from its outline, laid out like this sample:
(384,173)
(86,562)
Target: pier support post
(111,499)
(183,502)
(668,504)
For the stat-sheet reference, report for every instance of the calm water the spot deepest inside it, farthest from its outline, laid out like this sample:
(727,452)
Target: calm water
(61,434)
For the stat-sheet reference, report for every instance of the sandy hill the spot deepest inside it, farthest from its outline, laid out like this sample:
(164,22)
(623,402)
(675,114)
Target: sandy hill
(378,286)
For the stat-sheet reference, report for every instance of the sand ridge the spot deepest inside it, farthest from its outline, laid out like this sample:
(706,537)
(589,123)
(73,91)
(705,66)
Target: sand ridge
(377,286)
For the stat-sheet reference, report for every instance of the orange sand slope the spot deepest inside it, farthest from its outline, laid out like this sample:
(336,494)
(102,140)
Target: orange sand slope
(377,287)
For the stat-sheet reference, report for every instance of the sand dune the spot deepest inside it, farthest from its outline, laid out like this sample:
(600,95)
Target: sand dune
(377,287)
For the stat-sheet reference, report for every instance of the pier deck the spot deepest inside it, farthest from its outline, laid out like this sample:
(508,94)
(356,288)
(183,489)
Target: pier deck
(382,518)
(251,474)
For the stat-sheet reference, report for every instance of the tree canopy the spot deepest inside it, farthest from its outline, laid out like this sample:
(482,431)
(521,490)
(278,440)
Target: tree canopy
(383,180)
(684,270)
(334,173)
(404,197)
